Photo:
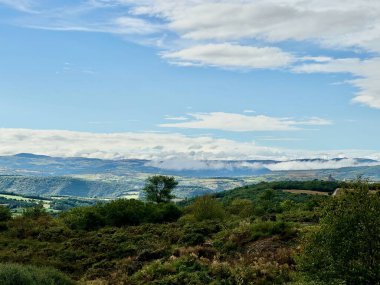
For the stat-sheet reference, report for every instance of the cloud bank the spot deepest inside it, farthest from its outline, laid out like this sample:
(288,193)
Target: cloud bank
(314,164)
(244,123)
(128,145)
(176,150)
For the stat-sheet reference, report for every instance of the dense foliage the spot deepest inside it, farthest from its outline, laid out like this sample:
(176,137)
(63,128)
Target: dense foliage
(346,245)
(159,188)
(119,213)
(14,274)
(251,235)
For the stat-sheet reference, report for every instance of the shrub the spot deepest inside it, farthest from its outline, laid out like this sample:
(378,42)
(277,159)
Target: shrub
(5,214)
(241,207)
(35,212)
(346,246)
(118,213)
(269,228)
(14,274)
(192,238)
(126,212)
(166,212)
(83,218)
(206,208)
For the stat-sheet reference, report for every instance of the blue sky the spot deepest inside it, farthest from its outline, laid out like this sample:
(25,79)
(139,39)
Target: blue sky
(232,87)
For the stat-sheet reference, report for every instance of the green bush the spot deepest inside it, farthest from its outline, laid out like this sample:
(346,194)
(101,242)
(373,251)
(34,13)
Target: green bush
(206,208)
(346,246)
(83,218)
(269,228)
(118,213)
(241,207)
(14,274)
(35,212)
(165,212)
(5,214)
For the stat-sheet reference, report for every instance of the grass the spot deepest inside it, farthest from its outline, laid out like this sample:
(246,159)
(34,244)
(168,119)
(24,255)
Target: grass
(308,192)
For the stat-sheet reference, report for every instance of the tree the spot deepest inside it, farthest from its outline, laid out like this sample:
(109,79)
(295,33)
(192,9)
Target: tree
(5,214)
(159,188)
(35,212)
(345,248)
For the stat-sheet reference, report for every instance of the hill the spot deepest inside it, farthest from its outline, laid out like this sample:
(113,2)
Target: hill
(31,174)
(258,234)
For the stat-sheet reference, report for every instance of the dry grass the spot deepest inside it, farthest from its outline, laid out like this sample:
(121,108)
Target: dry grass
(309,192)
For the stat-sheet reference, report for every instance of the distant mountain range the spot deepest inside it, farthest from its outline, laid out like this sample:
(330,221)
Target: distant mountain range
(41,165)
(87,177)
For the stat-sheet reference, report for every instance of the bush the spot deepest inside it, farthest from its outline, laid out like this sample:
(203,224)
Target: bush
(120,213)
(126,212)
(269,228)
(346,246)
(206,208)
(5,214)
(165,212)
(241,207)
(192,238)
(14,274)
(83,218)
(35,212)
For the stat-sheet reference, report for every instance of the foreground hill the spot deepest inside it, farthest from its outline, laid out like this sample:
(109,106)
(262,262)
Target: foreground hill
(258,234)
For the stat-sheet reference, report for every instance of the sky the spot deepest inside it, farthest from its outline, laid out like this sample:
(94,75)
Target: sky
(190,79)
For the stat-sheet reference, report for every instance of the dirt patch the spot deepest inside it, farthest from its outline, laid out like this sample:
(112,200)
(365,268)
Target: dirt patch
(308,192)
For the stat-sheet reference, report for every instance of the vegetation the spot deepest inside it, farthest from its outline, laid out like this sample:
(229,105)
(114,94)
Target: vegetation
(251,235)
(159,188)
(346,245)
(12,274)
(5,214)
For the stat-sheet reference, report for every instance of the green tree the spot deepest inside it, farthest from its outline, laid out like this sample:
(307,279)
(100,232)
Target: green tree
(35,212)
(346,246)
(159,188)
(5,214)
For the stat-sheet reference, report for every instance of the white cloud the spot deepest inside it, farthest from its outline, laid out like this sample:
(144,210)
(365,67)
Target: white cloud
(185,164)
(22,5)
(130,25)
(176,118)
(128,145)
(221,33)
(318,164)
(332,23)
(366,73)
(243,123)
(171,151)
(230,56)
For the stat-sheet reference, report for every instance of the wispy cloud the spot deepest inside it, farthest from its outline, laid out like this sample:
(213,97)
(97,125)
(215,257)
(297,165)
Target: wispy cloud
(209,32)
(170,118)
(244,123)
(228,55)
(366,73)
(22,5)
